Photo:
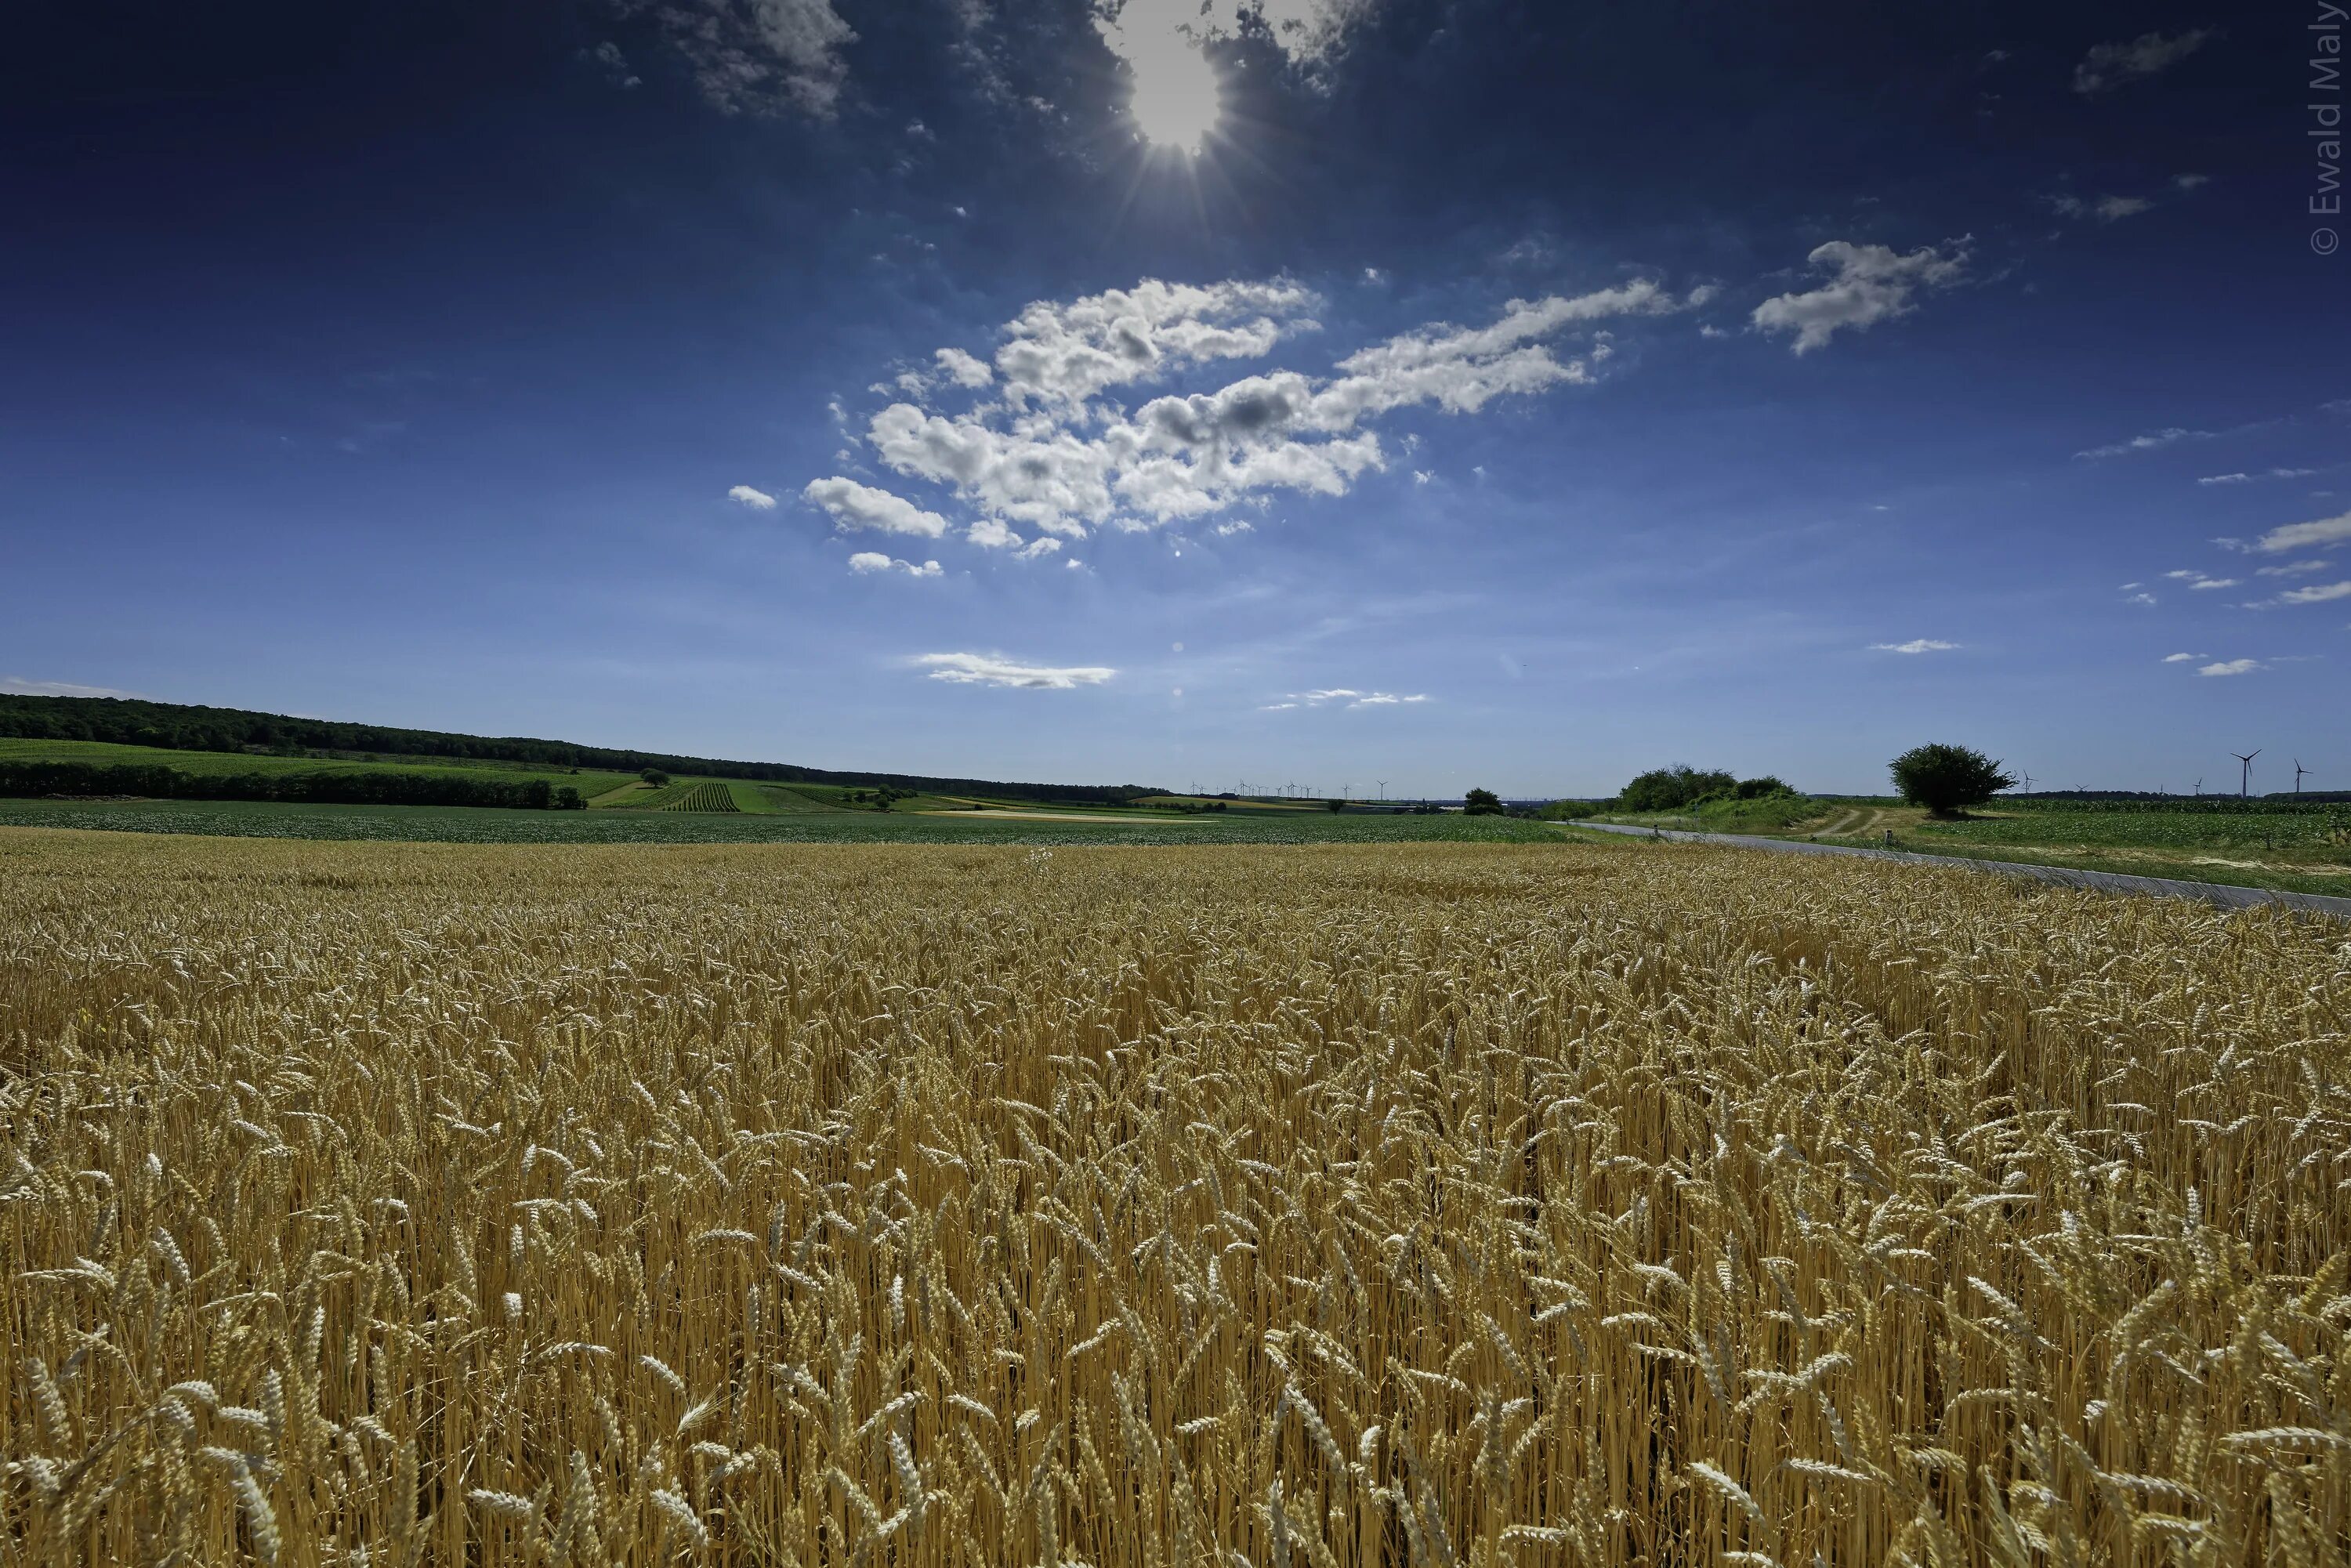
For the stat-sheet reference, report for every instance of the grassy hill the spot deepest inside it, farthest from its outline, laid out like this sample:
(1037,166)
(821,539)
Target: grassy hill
(186,729)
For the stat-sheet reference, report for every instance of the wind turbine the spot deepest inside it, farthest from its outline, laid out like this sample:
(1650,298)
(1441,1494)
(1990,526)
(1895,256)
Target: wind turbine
(2199,785)
(2028,783)
(2246,781)
(1384,788)
(2298,771)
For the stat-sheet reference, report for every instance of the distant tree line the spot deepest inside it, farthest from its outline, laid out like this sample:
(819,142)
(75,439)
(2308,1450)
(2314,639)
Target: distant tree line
(131,721)
(357,787)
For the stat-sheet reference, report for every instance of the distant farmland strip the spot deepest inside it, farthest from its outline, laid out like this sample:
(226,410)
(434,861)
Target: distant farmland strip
(709,795)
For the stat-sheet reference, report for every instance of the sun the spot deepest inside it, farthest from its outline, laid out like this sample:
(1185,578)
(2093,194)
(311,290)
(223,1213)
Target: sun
(1177,101)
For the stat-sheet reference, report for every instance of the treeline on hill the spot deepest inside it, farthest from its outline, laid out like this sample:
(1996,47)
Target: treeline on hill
(131,721)
(372,787)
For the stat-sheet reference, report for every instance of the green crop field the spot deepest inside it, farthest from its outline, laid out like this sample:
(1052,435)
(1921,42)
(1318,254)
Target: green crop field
(2263,842)
(707,795)
(463,824)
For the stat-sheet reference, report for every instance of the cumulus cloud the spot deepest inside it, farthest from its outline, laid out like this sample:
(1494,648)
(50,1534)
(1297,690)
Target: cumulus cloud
(1056,452)
(2109,66)
(1916,645)
(996,669)
(856,505)
(866,563)
(2232,667)
(2316,535)
(964,370)
(2184,658)
(1869,284)
(2153,441)
(757,57)
(17,686)
(758,500)
(2146,601)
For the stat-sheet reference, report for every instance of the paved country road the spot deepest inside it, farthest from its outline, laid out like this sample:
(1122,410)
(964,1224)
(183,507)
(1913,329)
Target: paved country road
(2221,894)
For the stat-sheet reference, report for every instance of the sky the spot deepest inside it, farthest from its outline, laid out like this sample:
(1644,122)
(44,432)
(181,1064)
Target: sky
(1378,396)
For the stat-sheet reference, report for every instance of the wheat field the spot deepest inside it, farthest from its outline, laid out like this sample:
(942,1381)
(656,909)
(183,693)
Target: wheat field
(1250,1206)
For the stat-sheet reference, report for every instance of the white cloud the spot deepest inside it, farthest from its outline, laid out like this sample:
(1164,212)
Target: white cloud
(757,57)
(1042,545)
(989,533)
(2232,667)
(1311,33)
(2105,209)
(1067,353)
(2250,478)
(2109,66)
(964,370)
(1916,645)
(17,686)
(2196,580)
(2153,441)
(866,562)
(2190,181)
(758,500)
(1056,453)
(2184,658)
(1347,696)
(2316,535)
(856,506)
(2293,568)
(996,669)
(1422,476)
(1226,529)
(2317,593)
(1872,283)
(2148,600)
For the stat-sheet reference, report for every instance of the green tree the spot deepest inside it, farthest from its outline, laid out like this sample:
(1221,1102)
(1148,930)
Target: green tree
(1334,805)
(1948,778)
(1481,803)
(1671,789)
(1762,789)
(654,777)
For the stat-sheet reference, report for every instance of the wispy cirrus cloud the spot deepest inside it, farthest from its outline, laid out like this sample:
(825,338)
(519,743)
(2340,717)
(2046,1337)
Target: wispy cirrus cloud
(756,57)
(2321,533)
(1870,283)
(2153,441)
(996,669)
(17,686)
(2109,66)
(2184,658)
(1346,697)
(2241,478)
(1916,645)
(2234,667)
(2196,580)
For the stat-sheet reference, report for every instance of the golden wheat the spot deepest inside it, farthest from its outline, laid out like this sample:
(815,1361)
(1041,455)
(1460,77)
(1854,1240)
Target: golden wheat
(1317,1207)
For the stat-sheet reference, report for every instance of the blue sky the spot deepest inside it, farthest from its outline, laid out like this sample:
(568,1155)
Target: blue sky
(1516,394)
